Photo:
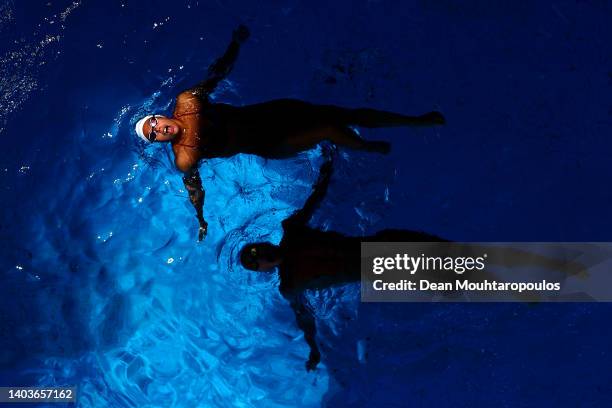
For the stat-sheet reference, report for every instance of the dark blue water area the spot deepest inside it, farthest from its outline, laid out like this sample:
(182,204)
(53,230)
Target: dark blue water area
(104,287)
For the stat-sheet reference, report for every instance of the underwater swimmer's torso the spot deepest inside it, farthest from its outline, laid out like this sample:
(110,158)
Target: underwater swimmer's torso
(315,259)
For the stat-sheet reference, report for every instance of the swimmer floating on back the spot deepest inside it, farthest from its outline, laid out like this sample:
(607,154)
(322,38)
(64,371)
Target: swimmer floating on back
(200,129)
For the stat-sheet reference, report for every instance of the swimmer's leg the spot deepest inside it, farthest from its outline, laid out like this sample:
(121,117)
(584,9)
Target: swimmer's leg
(347,137)
(292,112)
(373,118)
(342,136)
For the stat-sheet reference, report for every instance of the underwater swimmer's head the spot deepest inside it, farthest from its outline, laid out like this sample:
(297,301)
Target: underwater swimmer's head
(157,128)
(262,257)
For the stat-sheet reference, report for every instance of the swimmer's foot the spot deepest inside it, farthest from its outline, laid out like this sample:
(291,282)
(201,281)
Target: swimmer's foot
(432,118)
(378,147)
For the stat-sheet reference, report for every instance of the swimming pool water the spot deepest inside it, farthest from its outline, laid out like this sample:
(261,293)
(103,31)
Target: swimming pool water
(105,287)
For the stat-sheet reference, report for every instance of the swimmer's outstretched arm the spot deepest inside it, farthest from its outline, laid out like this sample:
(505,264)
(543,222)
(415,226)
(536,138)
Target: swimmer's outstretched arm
(306,322)
(223,66)
(303,216)
(193,184)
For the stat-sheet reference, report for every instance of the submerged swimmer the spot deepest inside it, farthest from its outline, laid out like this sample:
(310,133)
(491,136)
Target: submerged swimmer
(200,129)
(308,258)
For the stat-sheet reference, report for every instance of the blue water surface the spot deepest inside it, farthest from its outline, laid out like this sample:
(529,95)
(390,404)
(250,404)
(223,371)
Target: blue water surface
(105,287)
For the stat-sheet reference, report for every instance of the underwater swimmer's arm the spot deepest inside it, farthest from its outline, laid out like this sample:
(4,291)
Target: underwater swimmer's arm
(303,216)
(193,184)
(223,66)
(306,322)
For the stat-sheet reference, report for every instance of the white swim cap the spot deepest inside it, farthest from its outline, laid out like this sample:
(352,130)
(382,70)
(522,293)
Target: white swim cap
(139,127)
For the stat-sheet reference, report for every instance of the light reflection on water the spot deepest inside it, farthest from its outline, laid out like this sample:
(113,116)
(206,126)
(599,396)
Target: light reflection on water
(178,321)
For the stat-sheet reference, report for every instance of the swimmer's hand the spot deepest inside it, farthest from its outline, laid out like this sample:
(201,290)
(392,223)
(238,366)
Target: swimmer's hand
(241,34)
(203,230)
(313,360)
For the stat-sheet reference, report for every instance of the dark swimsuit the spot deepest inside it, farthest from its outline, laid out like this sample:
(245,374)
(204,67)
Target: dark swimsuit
(217,139)
(264,129)
(317,259)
